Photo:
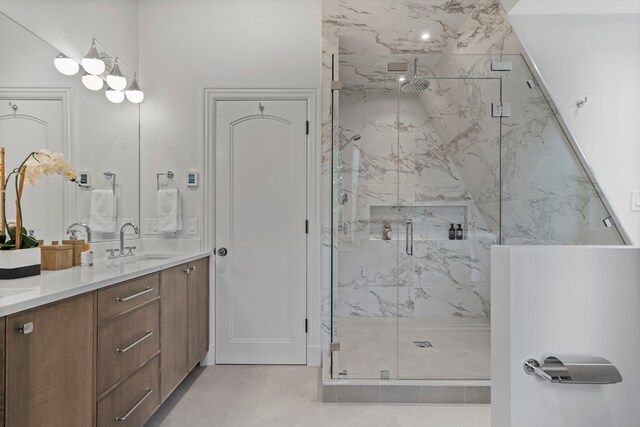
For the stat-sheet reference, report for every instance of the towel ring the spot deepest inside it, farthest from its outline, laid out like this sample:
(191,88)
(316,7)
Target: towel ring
(168,174)
(112,177)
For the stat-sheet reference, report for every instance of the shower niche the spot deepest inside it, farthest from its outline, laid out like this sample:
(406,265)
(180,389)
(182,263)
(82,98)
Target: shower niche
(430,222)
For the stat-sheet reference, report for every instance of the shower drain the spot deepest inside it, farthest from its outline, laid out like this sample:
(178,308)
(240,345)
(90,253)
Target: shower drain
(423,344)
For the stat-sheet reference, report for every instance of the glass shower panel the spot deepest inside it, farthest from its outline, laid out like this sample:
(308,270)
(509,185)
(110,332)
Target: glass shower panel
(449,161)
(548,197)
(367,235)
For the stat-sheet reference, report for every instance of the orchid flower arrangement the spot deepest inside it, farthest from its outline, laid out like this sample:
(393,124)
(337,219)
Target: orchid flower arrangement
(36,164)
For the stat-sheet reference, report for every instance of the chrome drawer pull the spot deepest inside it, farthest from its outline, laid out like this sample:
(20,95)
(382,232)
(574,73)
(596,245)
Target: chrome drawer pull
(130,297)
(135,343)
(147,392)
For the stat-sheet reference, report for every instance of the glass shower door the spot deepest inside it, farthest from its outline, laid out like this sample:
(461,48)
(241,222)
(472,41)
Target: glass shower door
(367,231)
(449,176)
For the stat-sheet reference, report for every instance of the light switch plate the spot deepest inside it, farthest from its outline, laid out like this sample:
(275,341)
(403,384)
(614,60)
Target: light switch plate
(192,226)
(635,200)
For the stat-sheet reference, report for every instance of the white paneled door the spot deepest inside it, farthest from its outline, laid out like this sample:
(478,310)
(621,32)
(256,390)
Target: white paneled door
(261,240)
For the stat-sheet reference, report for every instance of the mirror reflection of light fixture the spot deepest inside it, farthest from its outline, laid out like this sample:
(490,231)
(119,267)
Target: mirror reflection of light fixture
(115,79)
(66,65)
(92,82)
(114,96)
(94,66)
(92,63)
(133,92)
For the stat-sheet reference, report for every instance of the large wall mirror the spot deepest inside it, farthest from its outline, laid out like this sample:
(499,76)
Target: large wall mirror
(42,108)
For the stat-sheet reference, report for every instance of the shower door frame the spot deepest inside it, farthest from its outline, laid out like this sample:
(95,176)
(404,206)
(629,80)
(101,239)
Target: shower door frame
(334,363)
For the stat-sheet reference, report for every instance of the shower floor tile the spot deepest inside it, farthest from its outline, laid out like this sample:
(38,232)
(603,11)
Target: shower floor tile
(461,348)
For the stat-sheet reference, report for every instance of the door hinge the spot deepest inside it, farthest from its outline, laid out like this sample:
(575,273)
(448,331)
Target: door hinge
(307,127)
(306,326)
(500,109)
(306,226)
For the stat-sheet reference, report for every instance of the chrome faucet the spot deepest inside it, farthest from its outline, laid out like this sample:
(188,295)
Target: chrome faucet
(122,248)
(70,229)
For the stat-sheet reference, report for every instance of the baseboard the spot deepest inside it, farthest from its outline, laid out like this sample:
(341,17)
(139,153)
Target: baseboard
(209,359)
(314,355)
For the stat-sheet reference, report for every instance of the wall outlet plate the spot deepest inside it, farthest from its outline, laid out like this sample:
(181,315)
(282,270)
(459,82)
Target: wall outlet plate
(192,226)
(635,200)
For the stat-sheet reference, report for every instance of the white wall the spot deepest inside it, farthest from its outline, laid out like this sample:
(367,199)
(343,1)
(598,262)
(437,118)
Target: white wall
(68,25)
(186,46)
(595,55)
(564,300)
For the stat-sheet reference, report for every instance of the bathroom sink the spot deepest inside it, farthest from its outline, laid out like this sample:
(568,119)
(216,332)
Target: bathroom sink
(153,257)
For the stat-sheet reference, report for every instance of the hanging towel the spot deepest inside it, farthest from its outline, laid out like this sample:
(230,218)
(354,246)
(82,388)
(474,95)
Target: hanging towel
(169,211)
(102,215)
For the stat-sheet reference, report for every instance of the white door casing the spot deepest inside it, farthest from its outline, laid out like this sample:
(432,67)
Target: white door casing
(261,209)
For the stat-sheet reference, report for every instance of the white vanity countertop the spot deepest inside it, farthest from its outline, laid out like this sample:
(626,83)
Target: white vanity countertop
(50,286)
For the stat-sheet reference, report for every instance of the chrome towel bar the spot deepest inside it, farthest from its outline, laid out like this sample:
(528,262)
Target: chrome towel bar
(574,370)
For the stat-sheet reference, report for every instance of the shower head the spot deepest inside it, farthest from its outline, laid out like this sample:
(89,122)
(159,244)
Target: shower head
(415,85)
(355,137)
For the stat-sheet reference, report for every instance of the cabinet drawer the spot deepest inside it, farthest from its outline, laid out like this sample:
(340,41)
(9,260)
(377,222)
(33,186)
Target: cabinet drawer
(133,401)
(126,342)
(117,299)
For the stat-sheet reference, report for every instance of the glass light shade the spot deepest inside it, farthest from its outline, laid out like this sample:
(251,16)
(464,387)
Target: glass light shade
(92,82)
(115,79)
(114,96)
(92,63)
(66,65)
(134,93)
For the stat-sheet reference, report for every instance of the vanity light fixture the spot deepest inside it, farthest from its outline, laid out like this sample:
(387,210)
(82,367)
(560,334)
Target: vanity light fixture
(114,96)
(93,78)
(66,65)
(92,82)
(92,62)
(115,79)
(133,92)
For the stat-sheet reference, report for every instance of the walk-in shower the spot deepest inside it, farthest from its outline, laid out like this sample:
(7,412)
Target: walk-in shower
(474,150)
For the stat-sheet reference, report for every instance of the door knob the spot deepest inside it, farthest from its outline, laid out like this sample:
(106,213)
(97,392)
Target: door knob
(222,252)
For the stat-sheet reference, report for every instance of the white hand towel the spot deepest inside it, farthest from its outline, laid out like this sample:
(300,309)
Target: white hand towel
(102,215)
(169,211)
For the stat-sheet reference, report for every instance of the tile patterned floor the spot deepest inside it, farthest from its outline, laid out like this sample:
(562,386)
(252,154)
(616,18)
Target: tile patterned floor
(282,396)
(461,348)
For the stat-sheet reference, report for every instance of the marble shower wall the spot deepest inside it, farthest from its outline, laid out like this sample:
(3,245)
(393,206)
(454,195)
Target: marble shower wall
(546,195)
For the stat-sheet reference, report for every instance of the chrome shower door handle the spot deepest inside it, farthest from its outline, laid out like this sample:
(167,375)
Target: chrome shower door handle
(409,237)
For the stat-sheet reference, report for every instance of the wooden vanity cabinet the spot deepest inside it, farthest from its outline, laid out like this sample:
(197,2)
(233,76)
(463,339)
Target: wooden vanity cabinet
(184,321)
(50,364)
(110,356)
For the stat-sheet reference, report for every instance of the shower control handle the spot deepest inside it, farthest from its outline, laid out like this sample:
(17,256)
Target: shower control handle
(409,237)
(222,252)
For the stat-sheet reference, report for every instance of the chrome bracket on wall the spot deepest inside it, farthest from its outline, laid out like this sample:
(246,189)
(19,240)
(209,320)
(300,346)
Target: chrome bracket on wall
(574,370)
(336,85)
(500,109)
(334,346)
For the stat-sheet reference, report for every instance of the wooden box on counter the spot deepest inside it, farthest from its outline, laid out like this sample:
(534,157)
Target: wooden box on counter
(56,257)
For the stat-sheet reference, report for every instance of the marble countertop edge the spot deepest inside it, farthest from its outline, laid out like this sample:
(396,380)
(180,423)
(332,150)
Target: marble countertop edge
(51,286)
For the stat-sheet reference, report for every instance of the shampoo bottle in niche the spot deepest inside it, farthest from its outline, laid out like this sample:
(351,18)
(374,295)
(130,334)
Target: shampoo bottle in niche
(459,232)
(452,233)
